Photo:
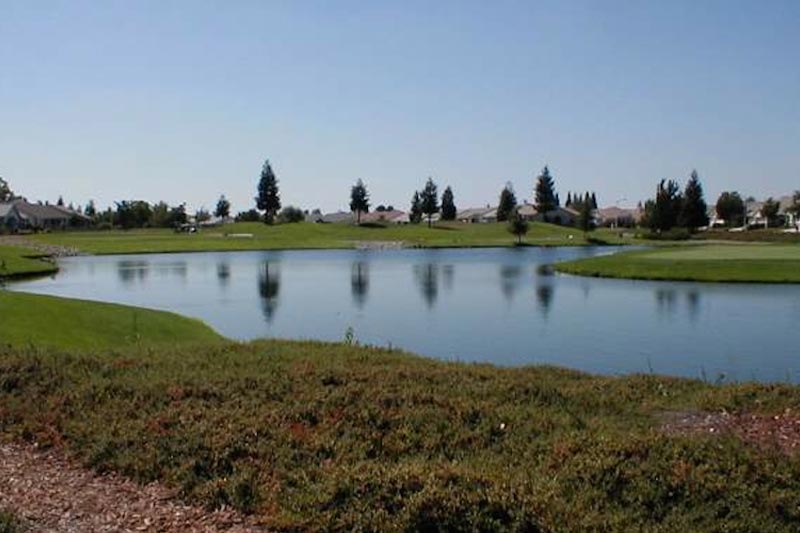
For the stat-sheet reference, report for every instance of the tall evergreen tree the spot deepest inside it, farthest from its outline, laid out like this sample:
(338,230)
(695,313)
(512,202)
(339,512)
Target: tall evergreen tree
(430,200)
(508,203)
(91,210)
(569,200)
(223,209)
(6,194)
(585,215)
(546,199)
(359,200)
(666,207)
(415,213)
(268,199)
(448,204)
(694,211)
(594,200)
(60,202)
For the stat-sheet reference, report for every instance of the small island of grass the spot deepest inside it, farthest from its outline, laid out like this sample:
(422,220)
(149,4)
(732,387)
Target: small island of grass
(755,263)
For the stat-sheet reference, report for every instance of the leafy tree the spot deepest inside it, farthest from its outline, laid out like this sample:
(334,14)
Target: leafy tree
(380,209)
(6,194)
(291,215)
(694,211)
(91,210)
(546,199)
(795,207)
(133,214)
(448,205)
(517,225)
(359,200)
(507,205)
(730,207)
(223,209)
(770,210)
(251,215)
(664,211)
(415,213)
(268,199)
(202,215)
(430,200)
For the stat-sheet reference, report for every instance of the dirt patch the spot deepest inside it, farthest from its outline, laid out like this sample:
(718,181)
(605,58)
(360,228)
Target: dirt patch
(51,494)
(776,432)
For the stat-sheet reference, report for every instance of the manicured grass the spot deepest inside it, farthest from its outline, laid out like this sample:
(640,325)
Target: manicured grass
(723,263)
(313,436)
(19,262)
(27,319)
(308,235)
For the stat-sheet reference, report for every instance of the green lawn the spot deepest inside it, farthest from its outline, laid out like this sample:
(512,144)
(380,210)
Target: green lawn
(765,263)
(18,262)
(320,437)
(307,235)
(28,319)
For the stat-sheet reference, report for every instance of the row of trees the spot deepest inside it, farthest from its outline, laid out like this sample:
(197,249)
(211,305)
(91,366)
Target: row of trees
(672,208)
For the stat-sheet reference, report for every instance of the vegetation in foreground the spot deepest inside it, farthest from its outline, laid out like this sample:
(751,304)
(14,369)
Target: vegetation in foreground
(718,263)
(9,523)
(20,262)
(257,236)
(29,319)
(313,436)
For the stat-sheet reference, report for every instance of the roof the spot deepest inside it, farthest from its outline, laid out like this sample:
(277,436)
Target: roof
(527,210)
(474,212)
(377,216)
(5,209)
(614,212)
(339,216)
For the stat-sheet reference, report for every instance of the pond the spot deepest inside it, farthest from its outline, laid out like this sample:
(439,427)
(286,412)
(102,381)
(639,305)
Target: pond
(484,305)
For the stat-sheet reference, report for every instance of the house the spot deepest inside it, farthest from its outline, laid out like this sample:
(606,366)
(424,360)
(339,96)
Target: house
(616,217)
(339,217)
(388,217)
(563,216)
(22,215)
(476,215)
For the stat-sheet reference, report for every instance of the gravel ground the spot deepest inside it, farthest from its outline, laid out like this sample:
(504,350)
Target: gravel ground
(52,494)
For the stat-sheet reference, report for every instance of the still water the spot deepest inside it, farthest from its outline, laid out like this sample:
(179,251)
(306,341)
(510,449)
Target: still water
(489,305)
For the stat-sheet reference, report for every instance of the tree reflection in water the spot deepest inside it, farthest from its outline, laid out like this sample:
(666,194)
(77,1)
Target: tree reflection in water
(269,284)
(359,282)
(427,277)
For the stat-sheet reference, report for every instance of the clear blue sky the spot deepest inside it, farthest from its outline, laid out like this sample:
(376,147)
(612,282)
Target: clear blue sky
(183,101)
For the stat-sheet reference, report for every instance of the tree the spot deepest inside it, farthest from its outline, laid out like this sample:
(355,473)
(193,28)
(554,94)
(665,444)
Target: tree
(223,209)
(795,207)
(569,200)
(202,215)
(251,215)
(268,199)
(770,210)
(546,199)
(430,200)
(60,202)
(507,204)
(730,208)
(694,211)
(133,214)
(91,210)
(291,215)
(6,194)
(585,222)
(415,213)
(359,200)
(664,211)
(448,205)
(594,200)
(380,209)
(517,225)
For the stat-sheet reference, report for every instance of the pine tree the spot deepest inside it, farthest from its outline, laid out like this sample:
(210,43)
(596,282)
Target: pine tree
(569,200)
(415,213)
(448,205)
(60,202)
(359,200)
(585,215)
(663,212)
(430,200)
(507,204)
(268,199)
(546,199)
(694,211)
(223,209)
(594,200)
(91,210)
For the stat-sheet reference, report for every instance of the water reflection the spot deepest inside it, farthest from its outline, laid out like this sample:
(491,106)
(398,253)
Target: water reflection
(223,273)
(510,278)
(359,282)
(131,271)
(448,275)
(693,304)
(269,285)
(544,294)
(427,277)
(665,301)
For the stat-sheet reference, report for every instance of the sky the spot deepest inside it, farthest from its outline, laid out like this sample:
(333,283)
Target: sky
(182,101)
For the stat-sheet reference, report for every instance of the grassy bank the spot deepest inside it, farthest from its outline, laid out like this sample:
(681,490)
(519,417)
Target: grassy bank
(308,236)
(719,263)
(312,436)
(21,262)
(28,319)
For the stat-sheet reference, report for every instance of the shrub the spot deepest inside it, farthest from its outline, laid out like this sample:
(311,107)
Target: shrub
(291,215)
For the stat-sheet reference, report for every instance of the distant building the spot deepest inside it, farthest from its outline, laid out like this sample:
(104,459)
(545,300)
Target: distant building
(477,215)
(394,216)
(618,217)
(20,215)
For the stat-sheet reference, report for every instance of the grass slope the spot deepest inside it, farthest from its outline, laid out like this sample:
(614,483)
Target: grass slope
(20,262)
(313,436)
(307,235)
(27,319)
(722,263)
